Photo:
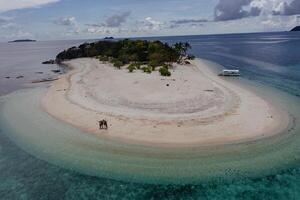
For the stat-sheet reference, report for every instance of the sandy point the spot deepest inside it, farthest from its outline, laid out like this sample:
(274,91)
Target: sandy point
(192,107)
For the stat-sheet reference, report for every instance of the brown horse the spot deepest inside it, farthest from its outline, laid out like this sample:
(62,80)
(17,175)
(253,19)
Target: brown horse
(100,124)
(103,124)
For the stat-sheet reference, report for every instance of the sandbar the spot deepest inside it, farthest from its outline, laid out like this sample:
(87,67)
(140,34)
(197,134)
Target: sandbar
(192,107)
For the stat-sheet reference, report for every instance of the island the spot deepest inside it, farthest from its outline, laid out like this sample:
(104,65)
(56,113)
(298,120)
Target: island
(144,55)
(109,38)
(297,28)
(153,93)
(22,40)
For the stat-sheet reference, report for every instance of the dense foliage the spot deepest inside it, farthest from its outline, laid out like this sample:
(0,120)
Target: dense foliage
(139,54)
(164,71)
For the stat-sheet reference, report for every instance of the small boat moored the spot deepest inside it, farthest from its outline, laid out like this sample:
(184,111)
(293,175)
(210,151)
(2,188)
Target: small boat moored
(230,72)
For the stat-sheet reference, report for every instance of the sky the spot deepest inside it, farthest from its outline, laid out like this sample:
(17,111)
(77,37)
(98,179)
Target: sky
(84,19)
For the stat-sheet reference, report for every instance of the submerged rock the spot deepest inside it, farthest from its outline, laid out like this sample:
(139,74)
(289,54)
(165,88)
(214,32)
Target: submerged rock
(56,71)
(44,80)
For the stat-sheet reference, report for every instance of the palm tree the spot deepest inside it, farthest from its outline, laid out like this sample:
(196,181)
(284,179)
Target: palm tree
(186,47)
(182,49)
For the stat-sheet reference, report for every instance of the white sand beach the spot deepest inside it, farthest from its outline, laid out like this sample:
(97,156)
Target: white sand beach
(192,107)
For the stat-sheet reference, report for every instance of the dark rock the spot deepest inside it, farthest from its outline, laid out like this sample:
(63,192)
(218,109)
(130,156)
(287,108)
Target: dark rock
(297,28)
(18,77)
(56,71)
(49,62)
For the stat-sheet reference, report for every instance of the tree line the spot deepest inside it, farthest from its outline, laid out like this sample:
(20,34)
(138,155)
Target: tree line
(138,54)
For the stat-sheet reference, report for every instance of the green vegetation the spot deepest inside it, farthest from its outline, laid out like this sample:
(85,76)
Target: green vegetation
(103,58)
(138,54)
(131,67)
(190,57)
(153,64)
(182,49)
(147,69)
(118,64)
(138,65)
(164,71)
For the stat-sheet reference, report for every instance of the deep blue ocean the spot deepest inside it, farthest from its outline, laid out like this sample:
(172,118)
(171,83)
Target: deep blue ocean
(271,59)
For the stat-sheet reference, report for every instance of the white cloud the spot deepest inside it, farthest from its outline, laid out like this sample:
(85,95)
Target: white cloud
(227,10)
(277,7)
(117,20)
(113,24)
(7,5)
(66,21)
(146,25)
(104,30)
(149,24)
(4,20)
(277,23)
(70,25)
(10,30)
(268,6)
(7,23)
(114,21)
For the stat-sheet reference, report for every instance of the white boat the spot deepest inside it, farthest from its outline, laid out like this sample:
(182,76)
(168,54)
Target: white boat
(230,72)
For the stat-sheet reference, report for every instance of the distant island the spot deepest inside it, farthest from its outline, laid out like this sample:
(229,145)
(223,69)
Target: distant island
(22,40)
(297,28)
(109,38)
(135,54)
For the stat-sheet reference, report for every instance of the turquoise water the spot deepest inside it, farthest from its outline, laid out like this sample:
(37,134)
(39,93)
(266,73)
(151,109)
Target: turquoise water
(58,143)
(268,169)
(242,167)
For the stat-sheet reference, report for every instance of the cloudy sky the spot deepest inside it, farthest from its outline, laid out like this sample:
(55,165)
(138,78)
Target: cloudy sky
(74,19)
